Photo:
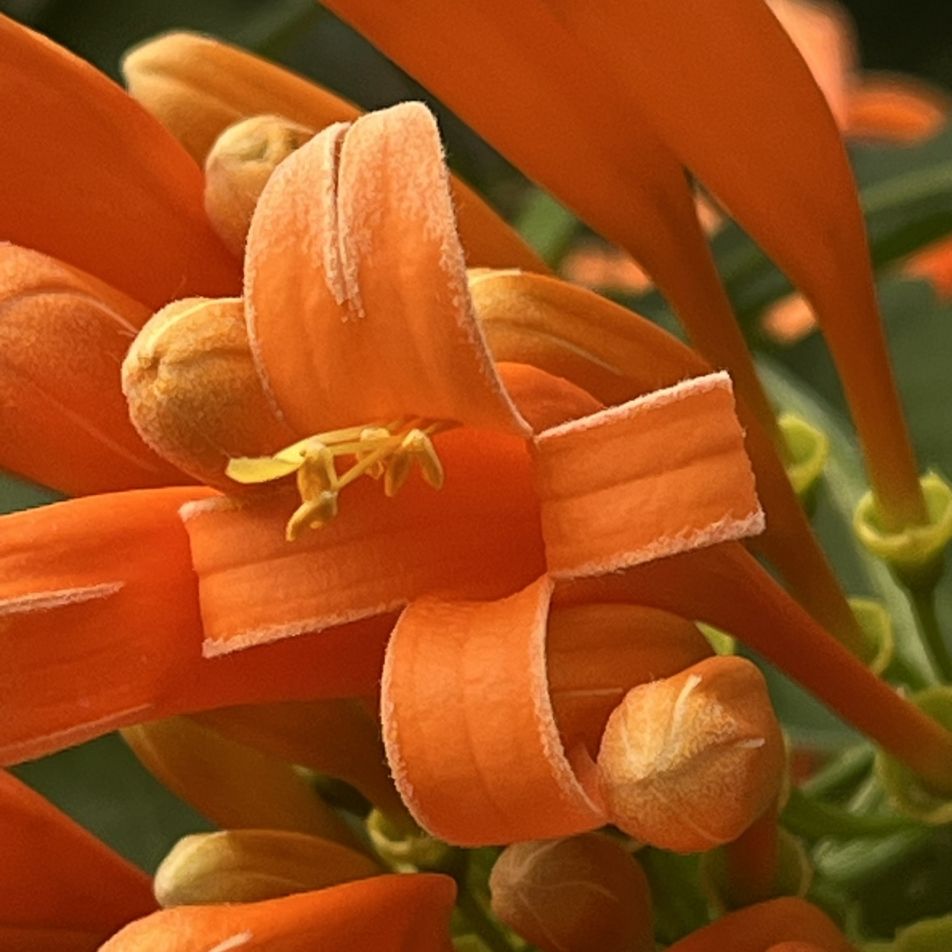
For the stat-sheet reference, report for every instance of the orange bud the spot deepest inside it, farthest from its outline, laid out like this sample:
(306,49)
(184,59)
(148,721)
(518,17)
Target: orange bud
(689,762)
(572,895)
(193,392)
(238,167)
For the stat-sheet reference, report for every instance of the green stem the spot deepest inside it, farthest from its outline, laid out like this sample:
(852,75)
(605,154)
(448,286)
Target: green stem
(815,820)
(842,773)
(479,921)
(923,605)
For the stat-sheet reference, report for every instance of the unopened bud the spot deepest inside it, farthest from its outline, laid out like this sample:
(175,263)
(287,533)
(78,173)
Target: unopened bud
(252,865)
(193,391)
(572,895)
(689,762)
(238,168)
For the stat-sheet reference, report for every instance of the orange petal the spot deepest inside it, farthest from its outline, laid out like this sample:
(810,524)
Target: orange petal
(63,418)
(616,356)
(935,265)
(551,108)
(597,653)
(662,474)
(824,36)
(478,537)
(382,914)
(756,928)
(356,287)
(18,939)
(543,399)
(724,586)
(56,876)
(234,786)
(491,767)
(91,178)
(198,86)
(785,178)
(901,109)
(100,627)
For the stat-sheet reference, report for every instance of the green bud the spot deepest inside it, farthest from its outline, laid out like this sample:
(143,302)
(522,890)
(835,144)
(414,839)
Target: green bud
(808,449)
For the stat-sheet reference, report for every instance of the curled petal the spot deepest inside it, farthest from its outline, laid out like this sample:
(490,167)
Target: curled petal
(198,86)
(381,914)
(63,421)
(56,876)
(478,537)
(659,475)
(105,584)
(491,767)
(91,178)
(355,284)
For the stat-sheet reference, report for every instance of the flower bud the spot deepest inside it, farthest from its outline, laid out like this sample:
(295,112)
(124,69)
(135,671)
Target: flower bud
(238,167)
(689,762)
(193,391)
(252,865)
(572,895)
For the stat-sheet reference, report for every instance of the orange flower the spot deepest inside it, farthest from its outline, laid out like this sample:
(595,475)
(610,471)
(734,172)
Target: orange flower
(59,887)
(362,329)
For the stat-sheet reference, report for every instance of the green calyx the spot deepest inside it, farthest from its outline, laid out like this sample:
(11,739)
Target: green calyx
(807,452)
(878,639)
(913,553)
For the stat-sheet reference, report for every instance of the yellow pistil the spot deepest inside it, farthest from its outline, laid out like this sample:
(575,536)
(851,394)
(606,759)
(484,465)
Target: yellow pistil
(388,451)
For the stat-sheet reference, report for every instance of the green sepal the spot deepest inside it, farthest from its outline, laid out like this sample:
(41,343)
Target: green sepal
(906,791)
(408,851)
(879,642)
(720,641)
(914,553)
(808,448)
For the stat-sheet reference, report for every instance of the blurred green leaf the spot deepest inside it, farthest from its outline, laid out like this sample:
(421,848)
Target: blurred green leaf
(546,225)
(17,494)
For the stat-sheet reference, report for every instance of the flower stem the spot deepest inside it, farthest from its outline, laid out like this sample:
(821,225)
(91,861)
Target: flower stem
(923,604)
(479,921)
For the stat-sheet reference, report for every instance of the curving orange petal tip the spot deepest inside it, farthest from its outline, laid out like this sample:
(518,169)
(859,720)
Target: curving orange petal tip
(56,876)
(491,767)
(407,913)
(92,179)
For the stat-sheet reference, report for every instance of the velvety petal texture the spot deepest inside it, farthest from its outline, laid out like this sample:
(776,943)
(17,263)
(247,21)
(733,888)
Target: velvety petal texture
(356,289)
(105,584)
(381,914)
(92,179)
(63,418)
(477,537)
(60,887)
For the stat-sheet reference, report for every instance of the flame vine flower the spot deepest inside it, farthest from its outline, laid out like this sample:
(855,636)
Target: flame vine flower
(488,503)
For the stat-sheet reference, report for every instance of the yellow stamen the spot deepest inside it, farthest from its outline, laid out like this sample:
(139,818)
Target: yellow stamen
(378,450)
